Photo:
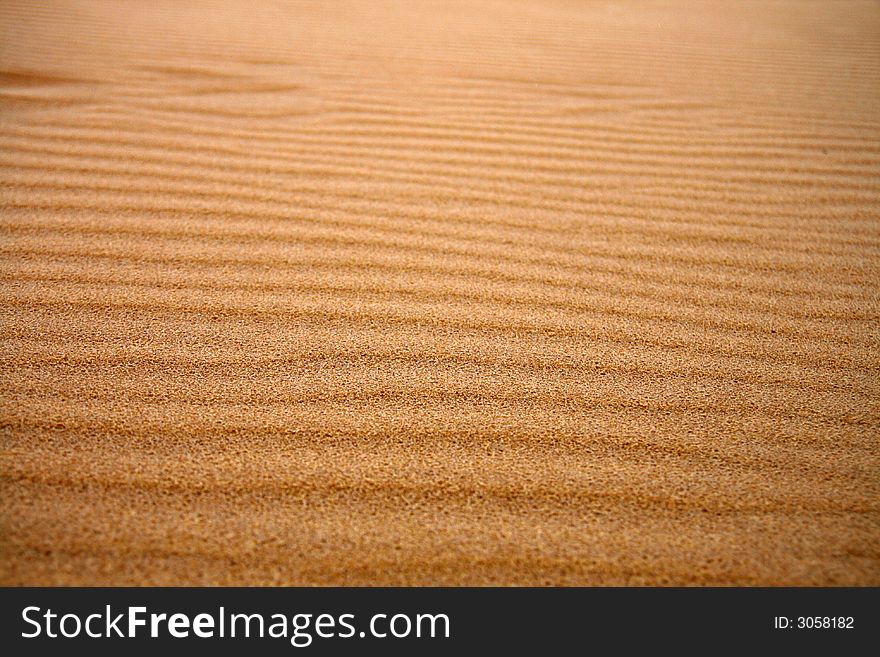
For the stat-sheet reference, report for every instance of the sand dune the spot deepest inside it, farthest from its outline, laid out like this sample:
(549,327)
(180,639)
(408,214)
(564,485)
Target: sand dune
(474,292)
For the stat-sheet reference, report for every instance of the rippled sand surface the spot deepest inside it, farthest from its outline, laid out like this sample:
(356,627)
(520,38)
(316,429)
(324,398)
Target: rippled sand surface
(440,293)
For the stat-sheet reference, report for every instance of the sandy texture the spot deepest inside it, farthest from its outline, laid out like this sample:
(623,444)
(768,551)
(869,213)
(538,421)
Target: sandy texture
(440,293)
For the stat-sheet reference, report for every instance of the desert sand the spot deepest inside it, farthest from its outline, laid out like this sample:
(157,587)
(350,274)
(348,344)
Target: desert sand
(440,293)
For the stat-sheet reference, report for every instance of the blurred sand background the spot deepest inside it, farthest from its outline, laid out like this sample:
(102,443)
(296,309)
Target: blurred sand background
(479,292)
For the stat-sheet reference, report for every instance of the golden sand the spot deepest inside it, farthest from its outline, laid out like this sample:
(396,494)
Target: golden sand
(440,292)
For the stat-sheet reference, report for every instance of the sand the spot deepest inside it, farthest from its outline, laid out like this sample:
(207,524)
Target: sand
(440,293)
